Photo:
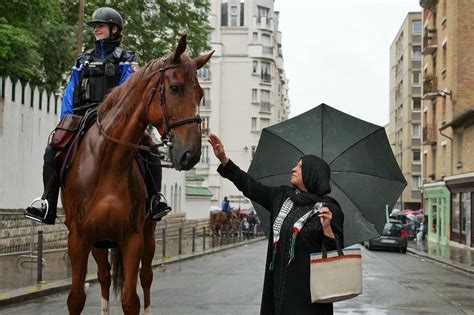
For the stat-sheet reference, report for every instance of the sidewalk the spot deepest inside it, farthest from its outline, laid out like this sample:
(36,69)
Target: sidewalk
(18,282)
(459,257)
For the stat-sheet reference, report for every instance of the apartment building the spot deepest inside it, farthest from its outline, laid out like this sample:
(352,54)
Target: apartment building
(404,129)
(245,88)
(448,119)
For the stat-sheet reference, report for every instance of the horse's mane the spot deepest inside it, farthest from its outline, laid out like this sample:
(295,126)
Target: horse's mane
(123,93)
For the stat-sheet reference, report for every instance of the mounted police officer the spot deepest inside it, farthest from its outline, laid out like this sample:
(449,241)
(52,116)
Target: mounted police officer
(95,73)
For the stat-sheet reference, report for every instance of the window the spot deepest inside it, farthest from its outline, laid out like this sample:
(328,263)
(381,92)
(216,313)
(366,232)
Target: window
(415,182)
(255,38)
(254,95)
(203,73)
(205,126)
(456,213)
(416,78)
(265,101)
(416,104)
(265,72)
(416,154)
(264,122)
(254,148)
(416,27)
(224,13)
(254,66)
(443,61)
(465,208)
(416,130)
(254,124)
(459,140)
(206,99)
(262,12)
(416,53)
(205,154)
(234,13)
(266,40)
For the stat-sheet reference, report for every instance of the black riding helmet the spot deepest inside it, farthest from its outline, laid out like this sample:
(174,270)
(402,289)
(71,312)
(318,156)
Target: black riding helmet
(106,15)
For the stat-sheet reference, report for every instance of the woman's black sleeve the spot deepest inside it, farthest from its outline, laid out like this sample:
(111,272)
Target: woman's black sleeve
(265,195)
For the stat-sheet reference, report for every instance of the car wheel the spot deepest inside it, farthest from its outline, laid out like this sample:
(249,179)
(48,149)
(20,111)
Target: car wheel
(368,246)
(403,250)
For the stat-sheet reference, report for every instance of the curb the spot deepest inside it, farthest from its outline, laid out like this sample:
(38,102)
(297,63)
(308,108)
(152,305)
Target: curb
(44,289)
(442,260)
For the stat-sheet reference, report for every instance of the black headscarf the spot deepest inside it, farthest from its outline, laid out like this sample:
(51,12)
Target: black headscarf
(316,176)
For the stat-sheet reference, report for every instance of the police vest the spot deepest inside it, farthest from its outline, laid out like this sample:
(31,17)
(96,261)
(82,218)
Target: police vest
(98,77)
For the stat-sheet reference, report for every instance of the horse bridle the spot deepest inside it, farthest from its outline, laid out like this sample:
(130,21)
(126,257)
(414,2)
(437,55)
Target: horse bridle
(166,137)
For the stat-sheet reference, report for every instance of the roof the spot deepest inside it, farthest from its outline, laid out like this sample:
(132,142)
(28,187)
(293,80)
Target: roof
(195,178)
(198,191)
(460,120)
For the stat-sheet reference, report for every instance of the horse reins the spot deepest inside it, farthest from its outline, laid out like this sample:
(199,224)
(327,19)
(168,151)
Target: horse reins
(166,137)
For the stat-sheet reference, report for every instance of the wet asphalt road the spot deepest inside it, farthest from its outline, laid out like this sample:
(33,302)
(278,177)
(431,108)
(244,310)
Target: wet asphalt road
(230,282)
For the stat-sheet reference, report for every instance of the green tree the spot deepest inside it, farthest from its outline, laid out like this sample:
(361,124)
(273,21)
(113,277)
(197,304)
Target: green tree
(35,41)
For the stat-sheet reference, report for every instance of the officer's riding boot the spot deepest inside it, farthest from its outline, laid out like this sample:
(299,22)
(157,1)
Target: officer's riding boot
(156,202)
(44,209)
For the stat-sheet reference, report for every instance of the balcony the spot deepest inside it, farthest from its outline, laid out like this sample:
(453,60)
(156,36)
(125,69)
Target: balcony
(430,87)
(430,42)
(267,50)
(428,4)
(430,134)
(265,107)
(205,132)
(263,22)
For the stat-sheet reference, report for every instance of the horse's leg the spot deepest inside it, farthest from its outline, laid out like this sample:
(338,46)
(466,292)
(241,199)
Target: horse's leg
(78,252)
(146,271)
(132,251)
(101,256)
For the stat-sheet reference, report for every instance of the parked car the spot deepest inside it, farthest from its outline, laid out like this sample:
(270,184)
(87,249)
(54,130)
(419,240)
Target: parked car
(394,237)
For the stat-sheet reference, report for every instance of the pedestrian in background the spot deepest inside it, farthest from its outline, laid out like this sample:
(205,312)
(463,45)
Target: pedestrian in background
(297,229)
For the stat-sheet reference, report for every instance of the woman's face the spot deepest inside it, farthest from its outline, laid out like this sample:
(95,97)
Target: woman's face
(101,31)
(297,176)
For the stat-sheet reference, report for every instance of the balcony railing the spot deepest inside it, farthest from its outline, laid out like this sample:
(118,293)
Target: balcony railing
(264,107)
(430,86)
(265,77)
(430,42)
(205,132)
(430,134)
(268,50)
(205,104)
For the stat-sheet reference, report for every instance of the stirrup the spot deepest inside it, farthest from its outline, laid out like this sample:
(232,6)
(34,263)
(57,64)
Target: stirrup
(44,206)
(163,207)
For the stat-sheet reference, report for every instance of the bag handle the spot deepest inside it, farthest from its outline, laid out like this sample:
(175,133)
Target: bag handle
(338,246)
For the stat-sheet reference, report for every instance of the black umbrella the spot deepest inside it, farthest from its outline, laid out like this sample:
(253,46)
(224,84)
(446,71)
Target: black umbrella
(365,176)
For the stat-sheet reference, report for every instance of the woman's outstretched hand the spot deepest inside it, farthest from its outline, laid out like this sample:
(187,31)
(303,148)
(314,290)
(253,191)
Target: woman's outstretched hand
(218,148)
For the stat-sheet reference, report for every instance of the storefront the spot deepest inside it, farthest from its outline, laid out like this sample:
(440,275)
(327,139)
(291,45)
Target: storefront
(462,208)
(437,205)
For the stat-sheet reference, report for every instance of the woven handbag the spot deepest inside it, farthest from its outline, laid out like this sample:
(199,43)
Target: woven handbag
(335,275)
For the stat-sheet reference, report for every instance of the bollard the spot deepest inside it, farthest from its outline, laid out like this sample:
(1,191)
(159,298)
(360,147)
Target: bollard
(194,239)
(203,238)
(213,240)
(163,239)
(39,261)
(180,237)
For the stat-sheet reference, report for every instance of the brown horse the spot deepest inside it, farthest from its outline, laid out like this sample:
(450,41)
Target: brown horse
(220,221)
(104,196)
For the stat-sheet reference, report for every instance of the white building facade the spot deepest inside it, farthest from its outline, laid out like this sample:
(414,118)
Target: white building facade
(245,88)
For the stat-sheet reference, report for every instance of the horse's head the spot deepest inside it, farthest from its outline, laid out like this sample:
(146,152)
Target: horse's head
(175,112)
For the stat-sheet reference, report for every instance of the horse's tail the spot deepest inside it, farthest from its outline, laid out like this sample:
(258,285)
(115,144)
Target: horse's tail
(117,270)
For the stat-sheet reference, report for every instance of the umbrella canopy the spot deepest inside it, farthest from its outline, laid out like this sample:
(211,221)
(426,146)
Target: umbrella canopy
(365,176)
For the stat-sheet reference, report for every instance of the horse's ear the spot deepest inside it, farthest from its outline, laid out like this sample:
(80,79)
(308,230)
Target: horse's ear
(202,60)
(180,49)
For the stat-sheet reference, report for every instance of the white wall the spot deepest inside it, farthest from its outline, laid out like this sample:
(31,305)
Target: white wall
(24,132)
(197,207)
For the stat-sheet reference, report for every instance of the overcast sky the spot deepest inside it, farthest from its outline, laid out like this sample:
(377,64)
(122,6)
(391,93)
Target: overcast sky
(337,52)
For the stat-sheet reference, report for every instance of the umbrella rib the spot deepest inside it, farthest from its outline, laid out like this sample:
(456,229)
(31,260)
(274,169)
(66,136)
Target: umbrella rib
(286,141)
(366,174)
(354,144)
